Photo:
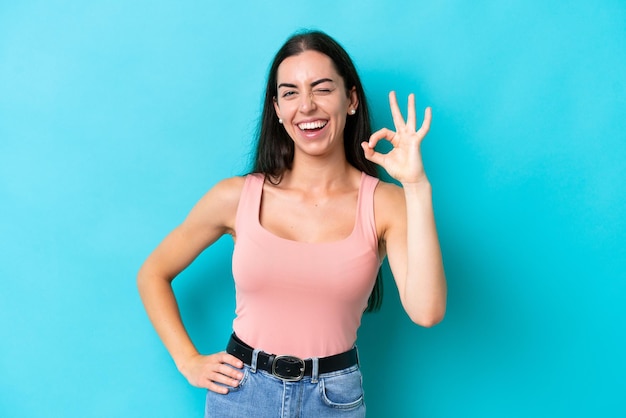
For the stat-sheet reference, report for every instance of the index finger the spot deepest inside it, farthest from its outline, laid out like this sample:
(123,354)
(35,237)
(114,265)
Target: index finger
(231,360)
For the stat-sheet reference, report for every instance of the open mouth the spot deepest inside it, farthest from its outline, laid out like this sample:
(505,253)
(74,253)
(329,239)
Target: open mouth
(312,126)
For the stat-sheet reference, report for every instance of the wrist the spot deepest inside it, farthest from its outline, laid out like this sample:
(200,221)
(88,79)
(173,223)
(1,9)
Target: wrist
(419,186)
(183,361)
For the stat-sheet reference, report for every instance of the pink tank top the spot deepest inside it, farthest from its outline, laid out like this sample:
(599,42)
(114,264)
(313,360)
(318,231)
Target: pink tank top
(297,298)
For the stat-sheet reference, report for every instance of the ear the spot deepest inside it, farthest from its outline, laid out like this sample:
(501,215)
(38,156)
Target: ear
(276,108)
(353,99)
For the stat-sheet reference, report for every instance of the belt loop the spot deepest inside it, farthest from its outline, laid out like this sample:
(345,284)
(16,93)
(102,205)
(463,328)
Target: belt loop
(316,369)
(255,356)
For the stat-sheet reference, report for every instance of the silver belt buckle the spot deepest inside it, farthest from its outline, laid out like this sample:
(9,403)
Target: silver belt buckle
(293,364)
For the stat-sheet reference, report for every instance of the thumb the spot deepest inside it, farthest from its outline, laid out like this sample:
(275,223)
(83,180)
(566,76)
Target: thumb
(371,154)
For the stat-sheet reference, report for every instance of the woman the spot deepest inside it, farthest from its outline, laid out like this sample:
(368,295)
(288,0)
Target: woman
(311,226)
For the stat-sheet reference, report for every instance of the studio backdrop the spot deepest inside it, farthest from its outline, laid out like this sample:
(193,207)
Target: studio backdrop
(117,116)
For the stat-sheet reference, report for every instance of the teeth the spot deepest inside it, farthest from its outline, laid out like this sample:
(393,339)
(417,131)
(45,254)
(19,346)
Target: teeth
(312,125)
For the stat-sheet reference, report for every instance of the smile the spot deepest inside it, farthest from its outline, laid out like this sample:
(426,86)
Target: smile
(309,126)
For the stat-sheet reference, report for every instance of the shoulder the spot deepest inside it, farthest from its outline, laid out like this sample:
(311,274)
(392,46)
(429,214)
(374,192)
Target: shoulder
(388,193)
(224,192)
(229,189)
(217,208)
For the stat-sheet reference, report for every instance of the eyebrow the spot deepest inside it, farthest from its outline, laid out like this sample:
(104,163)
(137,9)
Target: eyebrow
(313,84)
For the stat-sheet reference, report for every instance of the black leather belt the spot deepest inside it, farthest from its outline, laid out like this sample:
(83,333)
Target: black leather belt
(290,368)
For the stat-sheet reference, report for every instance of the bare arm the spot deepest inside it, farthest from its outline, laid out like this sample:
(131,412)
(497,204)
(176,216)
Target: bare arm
(212,217)
(409,231)
(413,251)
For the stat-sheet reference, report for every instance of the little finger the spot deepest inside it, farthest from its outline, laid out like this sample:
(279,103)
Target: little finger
(428,115)
(214,387)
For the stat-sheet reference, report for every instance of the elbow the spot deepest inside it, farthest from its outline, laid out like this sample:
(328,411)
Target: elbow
(428,322)
(142,279)
(145,280)
(150,279)
(428,319)
(142,284)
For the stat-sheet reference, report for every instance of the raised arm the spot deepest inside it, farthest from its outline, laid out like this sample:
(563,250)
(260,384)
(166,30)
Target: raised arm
(409,234)
(212,217)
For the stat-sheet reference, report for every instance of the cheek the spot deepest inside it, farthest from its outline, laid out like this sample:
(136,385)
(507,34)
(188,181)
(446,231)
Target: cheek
(285,109)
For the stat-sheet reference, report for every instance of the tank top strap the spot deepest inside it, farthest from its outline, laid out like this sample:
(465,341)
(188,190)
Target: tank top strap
(365,210)
(249,201)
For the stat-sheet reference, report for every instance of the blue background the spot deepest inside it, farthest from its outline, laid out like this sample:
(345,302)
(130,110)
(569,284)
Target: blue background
(116,116)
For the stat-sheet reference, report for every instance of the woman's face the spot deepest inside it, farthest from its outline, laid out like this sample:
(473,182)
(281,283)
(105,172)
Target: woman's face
(312,102)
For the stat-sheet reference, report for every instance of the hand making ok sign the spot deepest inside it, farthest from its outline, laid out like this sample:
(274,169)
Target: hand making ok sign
(404,161)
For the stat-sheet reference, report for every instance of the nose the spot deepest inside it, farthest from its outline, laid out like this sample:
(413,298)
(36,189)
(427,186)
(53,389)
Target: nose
(307,103)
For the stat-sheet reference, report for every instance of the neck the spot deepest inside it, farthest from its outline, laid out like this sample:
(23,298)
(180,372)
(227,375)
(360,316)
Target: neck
(314,173)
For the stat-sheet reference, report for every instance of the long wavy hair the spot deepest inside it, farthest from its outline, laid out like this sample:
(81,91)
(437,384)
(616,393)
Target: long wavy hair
(275,149)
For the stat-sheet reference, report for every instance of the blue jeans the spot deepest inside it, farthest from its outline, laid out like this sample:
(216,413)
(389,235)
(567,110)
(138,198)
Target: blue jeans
(262,395)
